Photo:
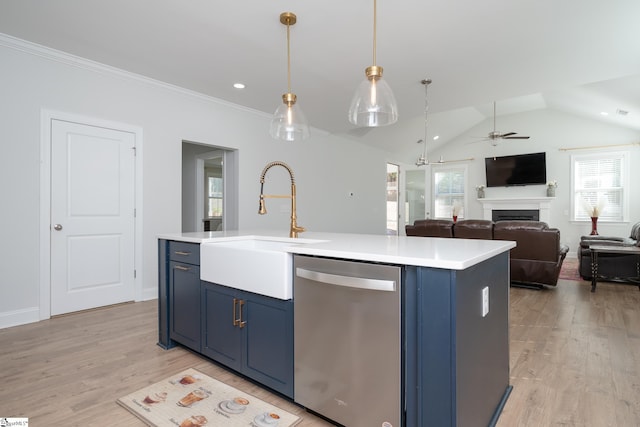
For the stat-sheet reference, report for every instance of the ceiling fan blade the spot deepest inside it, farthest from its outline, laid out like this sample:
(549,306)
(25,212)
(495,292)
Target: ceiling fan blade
(494,136)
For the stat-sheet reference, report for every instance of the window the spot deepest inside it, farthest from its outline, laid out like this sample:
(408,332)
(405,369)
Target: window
(214,196)
(600,181)
(448,192)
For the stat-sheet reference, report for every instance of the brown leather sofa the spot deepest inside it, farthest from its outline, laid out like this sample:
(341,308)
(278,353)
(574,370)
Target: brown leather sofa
(535,261)
(430,228)
(473,229)
(614,267)
(537,258)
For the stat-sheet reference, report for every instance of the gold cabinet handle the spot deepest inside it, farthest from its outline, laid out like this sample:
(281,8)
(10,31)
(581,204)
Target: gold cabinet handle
(181,268)
(237,318)
(242,323)
(182,253)
(236,321)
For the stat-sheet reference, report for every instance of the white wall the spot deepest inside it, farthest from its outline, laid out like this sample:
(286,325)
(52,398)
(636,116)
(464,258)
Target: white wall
(326,167)
(549,130)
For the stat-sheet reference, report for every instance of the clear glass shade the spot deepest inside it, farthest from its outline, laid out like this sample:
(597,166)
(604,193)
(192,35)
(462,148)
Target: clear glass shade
(373,104)
(289,123)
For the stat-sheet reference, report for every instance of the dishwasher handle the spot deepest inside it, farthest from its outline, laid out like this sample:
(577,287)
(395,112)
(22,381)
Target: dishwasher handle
(347,281)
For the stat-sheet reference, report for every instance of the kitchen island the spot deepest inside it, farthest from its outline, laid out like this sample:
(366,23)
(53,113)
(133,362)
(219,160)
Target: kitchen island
(454,354)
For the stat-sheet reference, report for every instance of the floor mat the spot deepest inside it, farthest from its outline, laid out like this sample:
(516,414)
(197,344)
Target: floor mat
(193,399)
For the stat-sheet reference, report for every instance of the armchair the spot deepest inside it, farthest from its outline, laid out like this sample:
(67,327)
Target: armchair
(611,266)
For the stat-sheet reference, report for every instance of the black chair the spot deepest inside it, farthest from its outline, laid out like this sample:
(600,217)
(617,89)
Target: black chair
(611,266)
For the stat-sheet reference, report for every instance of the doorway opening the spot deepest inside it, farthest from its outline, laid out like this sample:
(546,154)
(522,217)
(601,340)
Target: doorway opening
(415,196)
(209,188)
(393,197)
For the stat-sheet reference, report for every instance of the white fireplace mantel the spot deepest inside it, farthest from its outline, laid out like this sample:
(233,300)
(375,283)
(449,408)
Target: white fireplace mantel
(541,204)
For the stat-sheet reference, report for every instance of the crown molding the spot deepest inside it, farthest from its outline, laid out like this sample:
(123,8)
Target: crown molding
(87,64)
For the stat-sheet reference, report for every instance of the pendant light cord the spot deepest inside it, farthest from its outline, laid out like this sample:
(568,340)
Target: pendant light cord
(288,61)
(494,116)
(426,84)
(375,14)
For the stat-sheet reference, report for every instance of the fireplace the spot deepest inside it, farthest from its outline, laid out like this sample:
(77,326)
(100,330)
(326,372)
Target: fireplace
(515,215)
(541,205)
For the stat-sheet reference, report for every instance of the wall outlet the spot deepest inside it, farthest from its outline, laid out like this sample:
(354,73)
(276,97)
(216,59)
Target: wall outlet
(485,301)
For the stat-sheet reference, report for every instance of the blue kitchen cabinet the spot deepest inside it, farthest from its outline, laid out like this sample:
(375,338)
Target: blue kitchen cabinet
(456,355)
(184,294)
(221,337)
(250,333)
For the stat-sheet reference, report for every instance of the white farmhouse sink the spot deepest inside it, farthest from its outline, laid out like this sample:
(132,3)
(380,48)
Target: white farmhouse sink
(256,264)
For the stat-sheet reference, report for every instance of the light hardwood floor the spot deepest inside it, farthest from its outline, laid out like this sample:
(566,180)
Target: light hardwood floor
(575,361)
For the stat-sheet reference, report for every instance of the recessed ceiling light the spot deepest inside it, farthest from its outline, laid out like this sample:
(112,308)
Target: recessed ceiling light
(604,113)
(435,138)
(238,85)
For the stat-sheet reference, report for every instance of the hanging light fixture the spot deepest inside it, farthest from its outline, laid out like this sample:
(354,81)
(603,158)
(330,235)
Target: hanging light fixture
(422,160)
(289,122)
(373,103)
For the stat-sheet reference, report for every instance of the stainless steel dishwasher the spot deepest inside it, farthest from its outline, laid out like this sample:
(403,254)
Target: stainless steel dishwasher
(347,351)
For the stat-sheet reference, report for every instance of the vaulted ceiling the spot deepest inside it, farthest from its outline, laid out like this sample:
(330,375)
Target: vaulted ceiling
(580,56)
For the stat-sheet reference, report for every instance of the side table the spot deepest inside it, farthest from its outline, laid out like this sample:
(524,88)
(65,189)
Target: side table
(623,250)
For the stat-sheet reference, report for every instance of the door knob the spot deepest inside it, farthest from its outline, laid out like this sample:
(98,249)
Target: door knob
(57,227)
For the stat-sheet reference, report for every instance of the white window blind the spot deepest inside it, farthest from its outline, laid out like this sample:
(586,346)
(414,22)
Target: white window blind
(599,182)
(449,185)
(214,196)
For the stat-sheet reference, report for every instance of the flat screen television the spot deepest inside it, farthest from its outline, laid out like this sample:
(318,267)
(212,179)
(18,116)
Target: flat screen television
(521,169)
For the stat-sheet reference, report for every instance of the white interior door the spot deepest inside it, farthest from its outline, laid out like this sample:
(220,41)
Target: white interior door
(92,216)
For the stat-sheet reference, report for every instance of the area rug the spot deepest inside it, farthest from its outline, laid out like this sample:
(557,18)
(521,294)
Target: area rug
(569,270)
(193,399)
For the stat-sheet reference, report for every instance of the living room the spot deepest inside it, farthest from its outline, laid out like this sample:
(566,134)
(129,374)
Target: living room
(562,137)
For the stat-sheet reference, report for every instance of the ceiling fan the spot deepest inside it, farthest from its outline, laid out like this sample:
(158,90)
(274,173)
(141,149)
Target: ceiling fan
(495,135)
(422,160)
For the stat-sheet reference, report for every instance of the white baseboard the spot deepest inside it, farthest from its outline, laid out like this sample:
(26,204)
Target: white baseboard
(19,317)
(149,294)
(32,314)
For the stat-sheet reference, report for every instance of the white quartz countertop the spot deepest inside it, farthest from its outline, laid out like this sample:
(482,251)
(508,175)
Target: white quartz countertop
(453,254)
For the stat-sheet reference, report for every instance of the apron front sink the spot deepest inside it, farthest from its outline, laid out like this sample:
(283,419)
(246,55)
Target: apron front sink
(261,265)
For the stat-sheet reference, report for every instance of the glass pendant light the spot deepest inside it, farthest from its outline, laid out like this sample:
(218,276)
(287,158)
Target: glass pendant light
(289,122)
(373,103)
(422,160)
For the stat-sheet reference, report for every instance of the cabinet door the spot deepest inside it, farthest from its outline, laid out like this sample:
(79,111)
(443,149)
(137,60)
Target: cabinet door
(221,340)
(184,304)
(268,342)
